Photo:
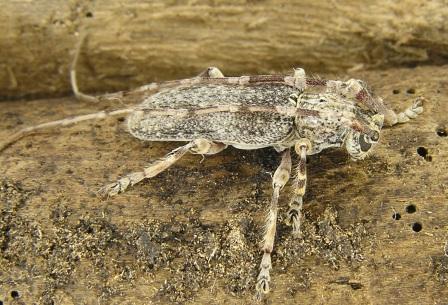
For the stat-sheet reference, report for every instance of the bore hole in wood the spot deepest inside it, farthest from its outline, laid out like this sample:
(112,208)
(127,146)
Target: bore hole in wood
(396,216)
(423,152)
(15,294)
(410,91)
(396,91)
(441,132)
(417,227)
(411,208)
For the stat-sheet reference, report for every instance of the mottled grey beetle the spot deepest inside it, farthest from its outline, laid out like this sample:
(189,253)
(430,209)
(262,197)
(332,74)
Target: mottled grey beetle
(211,111)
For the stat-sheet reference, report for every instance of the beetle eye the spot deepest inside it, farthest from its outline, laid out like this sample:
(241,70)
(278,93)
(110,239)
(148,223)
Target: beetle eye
(363,144)
(375,136)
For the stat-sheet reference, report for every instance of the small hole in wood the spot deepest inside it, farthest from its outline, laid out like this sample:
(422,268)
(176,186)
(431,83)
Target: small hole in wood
(89,15)
(396,91)
(441,132)
(396,216)
(411,208)
(410,91)
(417,227)
(15,294)
(423,152)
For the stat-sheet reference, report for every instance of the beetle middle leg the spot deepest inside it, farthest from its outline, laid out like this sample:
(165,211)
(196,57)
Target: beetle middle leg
(199,146)
(295,206)
(281,177)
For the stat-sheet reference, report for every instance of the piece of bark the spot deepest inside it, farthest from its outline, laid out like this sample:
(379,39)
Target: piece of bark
(132,43)
(194,230)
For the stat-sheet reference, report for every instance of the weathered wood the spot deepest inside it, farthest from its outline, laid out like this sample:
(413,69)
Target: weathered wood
(196,227)
(136,42)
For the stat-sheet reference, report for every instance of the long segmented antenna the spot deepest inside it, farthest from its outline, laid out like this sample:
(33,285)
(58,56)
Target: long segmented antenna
(73,81)
(64,122)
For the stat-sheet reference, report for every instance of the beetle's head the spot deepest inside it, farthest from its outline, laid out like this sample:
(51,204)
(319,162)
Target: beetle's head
(360,141)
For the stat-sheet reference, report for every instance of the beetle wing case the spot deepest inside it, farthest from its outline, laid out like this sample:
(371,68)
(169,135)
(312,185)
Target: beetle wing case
(219,112)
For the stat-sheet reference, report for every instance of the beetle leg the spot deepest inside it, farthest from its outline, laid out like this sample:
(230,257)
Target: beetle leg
(199,146)
(295,206)
(281,177)
(358,91)
(392,118)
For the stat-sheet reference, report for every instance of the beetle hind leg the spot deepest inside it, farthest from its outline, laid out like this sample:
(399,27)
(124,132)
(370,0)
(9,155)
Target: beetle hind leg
(199,146)
(281,177)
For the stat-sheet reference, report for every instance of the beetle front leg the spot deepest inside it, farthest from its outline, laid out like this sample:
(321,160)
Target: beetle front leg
(281,177)
(392,118)
(295,206)
(357,90)
(199,146)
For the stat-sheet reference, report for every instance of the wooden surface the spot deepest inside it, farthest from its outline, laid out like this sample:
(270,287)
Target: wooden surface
(135,42)
(190,235)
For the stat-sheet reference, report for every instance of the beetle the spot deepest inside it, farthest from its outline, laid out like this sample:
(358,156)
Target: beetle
(211,112)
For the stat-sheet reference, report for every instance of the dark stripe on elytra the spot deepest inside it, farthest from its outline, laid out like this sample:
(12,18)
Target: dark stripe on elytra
(316,82)
(266,78)
(243,109)
(300,112)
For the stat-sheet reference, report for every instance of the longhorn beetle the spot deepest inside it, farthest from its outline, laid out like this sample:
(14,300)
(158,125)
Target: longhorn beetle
(211,111)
